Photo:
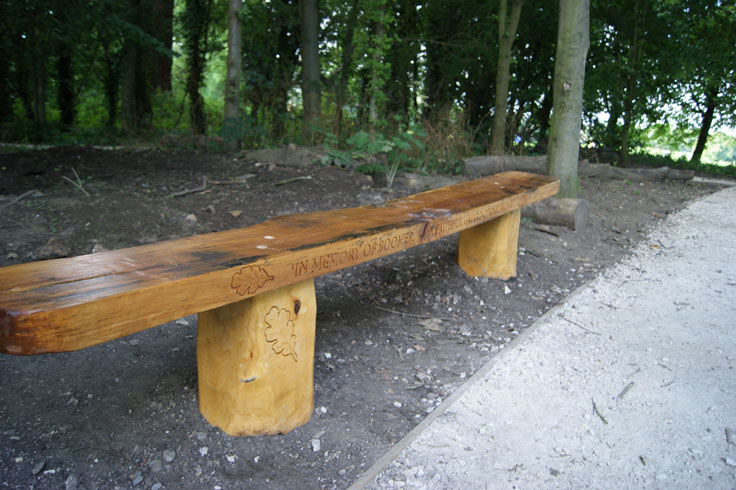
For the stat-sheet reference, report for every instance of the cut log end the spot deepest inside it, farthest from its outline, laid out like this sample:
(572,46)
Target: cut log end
(572,213)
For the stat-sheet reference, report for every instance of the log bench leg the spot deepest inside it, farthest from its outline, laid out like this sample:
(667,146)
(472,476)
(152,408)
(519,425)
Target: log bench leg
(489,249)
(256,362)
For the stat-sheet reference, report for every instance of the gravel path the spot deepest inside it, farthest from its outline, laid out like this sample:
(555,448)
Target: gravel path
(629,383)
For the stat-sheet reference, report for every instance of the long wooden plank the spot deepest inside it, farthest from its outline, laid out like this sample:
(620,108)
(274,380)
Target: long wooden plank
(68,304)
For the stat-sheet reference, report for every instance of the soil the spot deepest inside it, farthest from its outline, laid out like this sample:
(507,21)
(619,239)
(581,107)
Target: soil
(395,336)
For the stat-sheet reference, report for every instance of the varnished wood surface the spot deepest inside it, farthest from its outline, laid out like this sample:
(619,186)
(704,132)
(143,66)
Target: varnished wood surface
(68,304)
(490,249)
(255,360)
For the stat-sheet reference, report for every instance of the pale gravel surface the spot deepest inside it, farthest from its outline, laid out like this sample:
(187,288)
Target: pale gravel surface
(629,383)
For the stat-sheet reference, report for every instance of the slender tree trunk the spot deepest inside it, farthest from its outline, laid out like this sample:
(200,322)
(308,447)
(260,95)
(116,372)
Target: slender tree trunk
(346,57)
(39,92)
(543,117)
(232,81)
(507,25)
(39,77)
(6,105)
(641,9)
(376,85)
(196,29)
(163,20)
(311,94)
(128,113)
(136,110)
(135,101)
(65,86)
(710,108)
(572,47)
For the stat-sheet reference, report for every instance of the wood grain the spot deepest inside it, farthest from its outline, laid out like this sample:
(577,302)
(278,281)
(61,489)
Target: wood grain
(255,360)
(68,304)
(489,249)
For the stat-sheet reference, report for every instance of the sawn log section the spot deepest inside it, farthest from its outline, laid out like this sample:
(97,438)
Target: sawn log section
(68,304)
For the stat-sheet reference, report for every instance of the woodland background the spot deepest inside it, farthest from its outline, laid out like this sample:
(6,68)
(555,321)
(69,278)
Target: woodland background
(414,80)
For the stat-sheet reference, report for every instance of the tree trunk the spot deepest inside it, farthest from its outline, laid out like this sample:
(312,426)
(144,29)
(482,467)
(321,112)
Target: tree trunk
(39,93)
(136,108)
(506,33)
(311,95)
(543,117)
(135,102)
(232,81)
(196,29)
(572,47)
(6,104)
(65,85)
(346,62)
(632,73)
(376,82)
(710,107)
(163,20)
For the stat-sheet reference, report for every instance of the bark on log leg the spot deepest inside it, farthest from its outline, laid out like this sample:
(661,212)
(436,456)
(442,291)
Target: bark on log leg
(489,249)
(256,362)
(572,213)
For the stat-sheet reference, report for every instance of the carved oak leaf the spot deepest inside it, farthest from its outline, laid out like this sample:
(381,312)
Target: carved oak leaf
(250,279)
(280,331)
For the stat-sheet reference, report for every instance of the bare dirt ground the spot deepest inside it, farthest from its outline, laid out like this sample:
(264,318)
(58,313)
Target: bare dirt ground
(394,336)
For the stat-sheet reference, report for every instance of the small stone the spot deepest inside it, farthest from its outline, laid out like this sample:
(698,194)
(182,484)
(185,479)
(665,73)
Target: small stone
(155,465)
(38,468)
(98,248)
(190,218)
(730,461)
(397,404)
(182,322)
(230,458)
(72,482)
(156,486)
(730,436)
(506,289)
(316,445)
(169,455)
(53,249)
(203,451)
(137,479)
(11,256)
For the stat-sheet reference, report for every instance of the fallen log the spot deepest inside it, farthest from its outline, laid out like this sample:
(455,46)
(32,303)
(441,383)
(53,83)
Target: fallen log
(605,171)
(572,213)
(491,164)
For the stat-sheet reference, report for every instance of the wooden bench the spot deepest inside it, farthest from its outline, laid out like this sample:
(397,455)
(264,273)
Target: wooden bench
(253,290)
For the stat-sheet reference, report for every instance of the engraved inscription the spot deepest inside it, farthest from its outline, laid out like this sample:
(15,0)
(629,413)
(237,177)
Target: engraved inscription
(337,260)
(446,227)
(280,332)
(250,279)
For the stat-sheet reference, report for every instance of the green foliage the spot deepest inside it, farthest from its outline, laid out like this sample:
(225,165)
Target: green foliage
(374,153)
(430,69)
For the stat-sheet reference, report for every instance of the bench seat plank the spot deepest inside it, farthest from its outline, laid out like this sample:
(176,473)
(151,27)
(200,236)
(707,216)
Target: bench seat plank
(72,303)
